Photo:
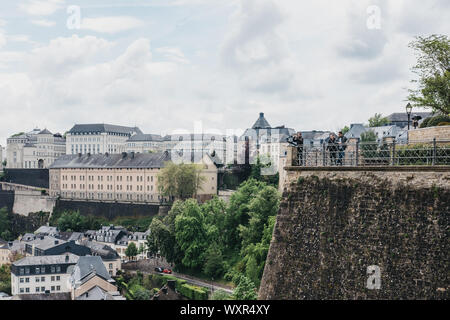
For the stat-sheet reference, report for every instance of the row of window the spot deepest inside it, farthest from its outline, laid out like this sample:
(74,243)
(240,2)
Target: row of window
(39,279)
(40,289)
(42,269)
(108,187)
(108,178)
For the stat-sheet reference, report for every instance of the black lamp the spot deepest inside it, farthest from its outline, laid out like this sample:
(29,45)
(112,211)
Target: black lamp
(408,112)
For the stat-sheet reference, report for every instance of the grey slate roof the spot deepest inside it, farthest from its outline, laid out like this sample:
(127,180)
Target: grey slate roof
(124,160)
(145,137)
(403,116)
(140,160)
(45,131)
(88,266)
(102,250)
(102,127)
(43,260)
(46,243)
(261,122)
(356,129)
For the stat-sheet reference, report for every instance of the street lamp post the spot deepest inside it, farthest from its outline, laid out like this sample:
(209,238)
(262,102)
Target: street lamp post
(408,112)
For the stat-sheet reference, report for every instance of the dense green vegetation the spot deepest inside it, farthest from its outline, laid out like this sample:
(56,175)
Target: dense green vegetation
(378,120)
(74,221)
(5,278)
(435,121)
(218,239)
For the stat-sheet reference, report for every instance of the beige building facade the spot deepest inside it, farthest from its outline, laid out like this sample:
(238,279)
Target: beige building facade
(124,178)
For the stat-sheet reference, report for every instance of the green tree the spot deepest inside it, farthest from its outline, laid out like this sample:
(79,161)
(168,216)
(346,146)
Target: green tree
(131,250)
(245,290)
(345,129)
(433,70)
(180,181)
(165,241)
(5,224)
(378,120)
(190,233)
(71,221)
(214,262)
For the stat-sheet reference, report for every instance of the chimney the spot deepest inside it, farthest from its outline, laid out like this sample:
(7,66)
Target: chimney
(67,258)
(79,154)
(261,114)
(56,241)
(89,154)
(132,154)
(124,155)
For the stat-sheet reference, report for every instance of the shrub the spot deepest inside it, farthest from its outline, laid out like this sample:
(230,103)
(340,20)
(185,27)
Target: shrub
(435,121)
(193,292)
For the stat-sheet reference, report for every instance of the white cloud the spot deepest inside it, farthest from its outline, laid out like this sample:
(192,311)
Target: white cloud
(172,54)
(43,23)
(62,55)
(41,7)
(111,25)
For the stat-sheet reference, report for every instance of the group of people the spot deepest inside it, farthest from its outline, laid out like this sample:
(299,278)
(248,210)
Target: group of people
(334,145)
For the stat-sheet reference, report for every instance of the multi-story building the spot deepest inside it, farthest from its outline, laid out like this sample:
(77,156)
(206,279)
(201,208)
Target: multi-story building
(42,274)
(90,280)
(264,140)
(213,144)
(120,177)
(35,149)
(98,138)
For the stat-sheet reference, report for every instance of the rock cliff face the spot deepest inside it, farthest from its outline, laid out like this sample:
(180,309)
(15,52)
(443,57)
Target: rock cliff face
(334,225)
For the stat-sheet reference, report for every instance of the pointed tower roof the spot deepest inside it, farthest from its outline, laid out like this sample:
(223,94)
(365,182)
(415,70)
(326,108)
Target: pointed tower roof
(45,131)
(261,122)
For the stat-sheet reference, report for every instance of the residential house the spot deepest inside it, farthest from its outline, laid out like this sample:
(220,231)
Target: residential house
(42,274)
(90,280)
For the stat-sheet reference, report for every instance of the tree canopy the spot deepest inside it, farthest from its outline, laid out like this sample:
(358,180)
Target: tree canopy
(433,70)
(180,181)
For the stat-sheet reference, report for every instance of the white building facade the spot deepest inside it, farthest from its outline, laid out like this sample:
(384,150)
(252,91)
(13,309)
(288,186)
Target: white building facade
(98,138)
(35,149)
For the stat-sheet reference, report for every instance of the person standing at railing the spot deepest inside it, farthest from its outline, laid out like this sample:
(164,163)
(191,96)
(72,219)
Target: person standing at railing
(342,145)
(332,147)
(297,142)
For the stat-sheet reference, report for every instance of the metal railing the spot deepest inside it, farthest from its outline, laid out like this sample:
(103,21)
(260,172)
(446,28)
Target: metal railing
(383,153)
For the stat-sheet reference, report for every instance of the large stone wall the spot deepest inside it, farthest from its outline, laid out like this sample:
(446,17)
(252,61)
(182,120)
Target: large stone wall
(26,202)
(428,134)
(335,223)
(30,177)
(108,210)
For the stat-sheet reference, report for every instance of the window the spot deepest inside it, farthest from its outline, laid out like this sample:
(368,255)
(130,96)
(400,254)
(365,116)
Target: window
(58,269)
(21,290)
(53,288)
(58,288)
(37,279)
(110,265)
(21,280)
(58,278)
(37,289)
(43,289)
(52,278)
(27,290)
(52,269)
(38,270)
(42,279)
(27,280)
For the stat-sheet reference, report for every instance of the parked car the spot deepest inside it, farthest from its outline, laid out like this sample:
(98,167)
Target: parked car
(159,269)
(167,271)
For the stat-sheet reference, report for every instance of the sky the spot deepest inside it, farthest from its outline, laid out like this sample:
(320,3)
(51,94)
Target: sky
(166,65)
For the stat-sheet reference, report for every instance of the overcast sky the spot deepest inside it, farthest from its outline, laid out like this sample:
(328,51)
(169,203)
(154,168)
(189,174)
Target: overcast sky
(164,64)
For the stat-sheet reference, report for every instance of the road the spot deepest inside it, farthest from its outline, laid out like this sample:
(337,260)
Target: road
(193,280)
